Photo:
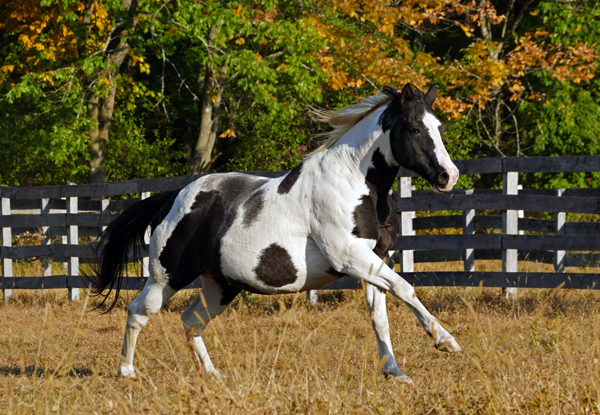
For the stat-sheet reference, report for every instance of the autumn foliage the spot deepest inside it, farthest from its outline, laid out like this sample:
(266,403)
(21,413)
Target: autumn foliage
(514,78)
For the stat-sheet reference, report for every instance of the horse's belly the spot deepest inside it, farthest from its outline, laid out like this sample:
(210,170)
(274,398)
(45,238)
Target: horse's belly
(277,267)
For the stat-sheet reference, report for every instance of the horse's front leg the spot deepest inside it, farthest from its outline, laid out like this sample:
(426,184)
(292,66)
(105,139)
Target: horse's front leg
(377,307)
(359,261)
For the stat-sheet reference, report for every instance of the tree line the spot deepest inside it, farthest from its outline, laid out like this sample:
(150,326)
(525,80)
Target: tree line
(109,90)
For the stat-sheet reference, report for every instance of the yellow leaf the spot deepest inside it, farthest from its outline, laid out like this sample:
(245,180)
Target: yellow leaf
(7,68)
(240,41)
(26,41)
(466,29)
(227,133)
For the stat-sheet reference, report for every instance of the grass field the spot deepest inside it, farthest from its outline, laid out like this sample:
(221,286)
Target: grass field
(538,354)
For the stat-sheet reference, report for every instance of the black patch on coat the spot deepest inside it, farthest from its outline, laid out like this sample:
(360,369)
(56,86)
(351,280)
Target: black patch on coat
(195,244)
(168,199)
(365,217)
(289,180)
(253,206)
(375,217)
(275,267)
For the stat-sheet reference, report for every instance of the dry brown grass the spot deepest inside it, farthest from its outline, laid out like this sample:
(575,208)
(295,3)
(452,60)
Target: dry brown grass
(538,354)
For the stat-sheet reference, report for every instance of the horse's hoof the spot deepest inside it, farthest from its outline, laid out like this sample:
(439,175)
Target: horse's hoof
(402,379)
(126,371)
(449,346)
(395,374)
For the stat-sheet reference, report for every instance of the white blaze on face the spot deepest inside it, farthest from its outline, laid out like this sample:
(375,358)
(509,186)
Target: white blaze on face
(432,124)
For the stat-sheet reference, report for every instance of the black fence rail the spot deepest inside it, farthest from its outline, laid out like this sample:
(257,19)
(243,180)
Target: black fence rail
(61,217)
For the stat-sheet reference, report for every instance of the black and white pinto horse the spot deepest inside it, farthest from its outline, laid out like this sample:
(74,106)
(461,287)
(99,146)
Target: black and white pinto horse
(329,217)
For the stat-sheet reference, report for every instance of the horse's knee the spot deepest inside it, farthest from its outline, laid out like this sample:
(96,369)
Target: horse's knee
(155,297)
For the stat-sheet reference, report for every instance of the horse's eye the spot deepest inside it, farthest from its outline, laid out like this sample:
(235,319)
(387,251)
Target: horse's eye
(414,130)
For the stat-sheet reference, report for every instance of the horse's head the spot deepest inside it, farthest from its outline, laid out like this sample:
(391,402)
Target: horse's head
(416,136)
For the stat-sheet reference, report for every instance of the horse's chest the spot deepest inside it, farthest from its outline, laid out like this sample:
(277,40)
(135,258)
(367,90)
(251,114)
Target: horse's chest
(375,220)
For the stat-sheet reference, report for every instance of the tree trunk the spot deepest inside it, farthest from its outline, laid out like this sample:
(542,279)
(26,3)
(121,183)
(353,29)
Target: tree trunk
(99,137)
(206,117)
(210,105)
(101,111)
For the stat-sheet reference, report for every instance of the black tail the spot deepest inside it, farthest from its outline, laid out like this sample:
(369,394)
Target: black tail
(125,234)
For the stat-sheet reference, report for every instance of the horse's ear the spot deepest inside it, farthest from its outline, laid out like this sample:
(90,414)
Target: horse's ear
(407,93)
(431,94)
(390,91)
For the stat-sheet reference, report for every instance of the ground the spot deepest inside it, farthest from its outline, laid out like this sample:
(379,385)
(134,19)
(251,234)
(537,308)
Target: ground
(538,354)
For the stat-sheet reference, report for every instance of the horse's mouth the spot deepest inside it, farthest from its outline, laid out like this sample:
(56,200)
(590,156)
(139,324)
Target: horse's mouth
(439,190)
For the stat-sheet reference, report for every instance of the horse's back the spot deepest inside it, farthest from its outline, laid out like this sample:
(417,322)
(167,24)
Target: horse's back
(187,243)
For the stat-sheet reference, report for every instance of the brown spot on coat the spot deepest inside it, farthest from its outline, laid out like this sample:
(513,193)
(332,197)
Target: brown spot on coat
(275,267)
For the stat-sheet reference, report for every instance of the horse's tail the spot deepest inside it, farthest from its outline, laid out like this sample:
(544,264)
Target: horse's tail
(124,234)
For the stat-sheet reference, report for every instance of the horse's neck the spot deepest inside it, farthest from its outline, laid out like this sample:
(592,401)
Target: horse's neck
(366,150)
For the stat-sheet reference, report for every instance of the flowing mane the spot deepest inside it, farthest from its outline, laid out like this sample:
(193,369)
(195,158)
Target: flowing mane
(343,119)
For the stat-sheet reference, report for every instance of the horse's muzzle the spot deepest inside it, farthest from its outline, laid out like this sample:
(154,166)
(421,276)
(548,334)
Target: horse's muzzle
(445,180)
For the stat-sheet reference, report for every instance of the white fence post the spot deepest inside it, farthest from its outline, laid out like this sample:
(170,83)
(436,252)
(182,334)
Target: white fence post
(407,259)
(520,213)
(146,259)
(73,239)
(104,209)
(468,217)
(560,219)
(510,226)
(7,268)
(47,236)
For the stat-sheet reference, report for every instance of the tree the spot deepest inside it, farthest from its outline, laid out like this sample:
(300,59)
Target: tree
(62,58)
(502,48)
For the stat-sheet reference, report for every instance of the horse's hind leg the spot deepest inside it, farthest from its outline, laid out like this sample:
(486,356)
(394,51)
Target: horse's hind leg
(212,301)
(146,304)
(377,307)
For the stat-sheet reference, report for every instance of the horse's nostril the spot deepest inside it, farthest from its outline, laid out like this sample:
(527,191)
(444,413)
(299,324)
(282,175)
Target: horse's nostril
(444,178)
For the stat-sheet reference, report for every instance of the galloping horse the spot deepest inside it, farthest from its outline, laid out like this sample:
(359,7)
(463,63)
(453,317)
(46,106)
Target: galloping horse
(329,217)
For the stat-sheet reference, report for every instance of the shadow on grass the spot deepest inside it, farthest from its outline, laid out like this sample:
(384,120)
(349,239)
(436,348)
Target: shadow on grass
(40,372)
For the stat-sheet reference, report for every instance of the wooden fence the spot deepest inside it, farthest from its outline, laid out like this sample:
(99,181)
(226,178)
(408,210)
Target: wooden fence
(66,215)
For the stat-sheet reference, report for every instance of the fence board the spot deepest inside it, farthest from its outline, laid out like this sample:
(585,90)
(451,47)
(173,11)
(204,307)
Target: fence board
(495,222)
(97,190)
(38,221)
(546,257)
(551,164)
(448,242)
(500,279)
(19,252)
(497,241)
(34,283)
(529,203)
(552,242)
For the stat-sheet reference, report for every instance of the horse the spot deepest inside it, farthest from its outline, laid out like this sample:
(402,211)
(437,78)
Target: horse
(330,216)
